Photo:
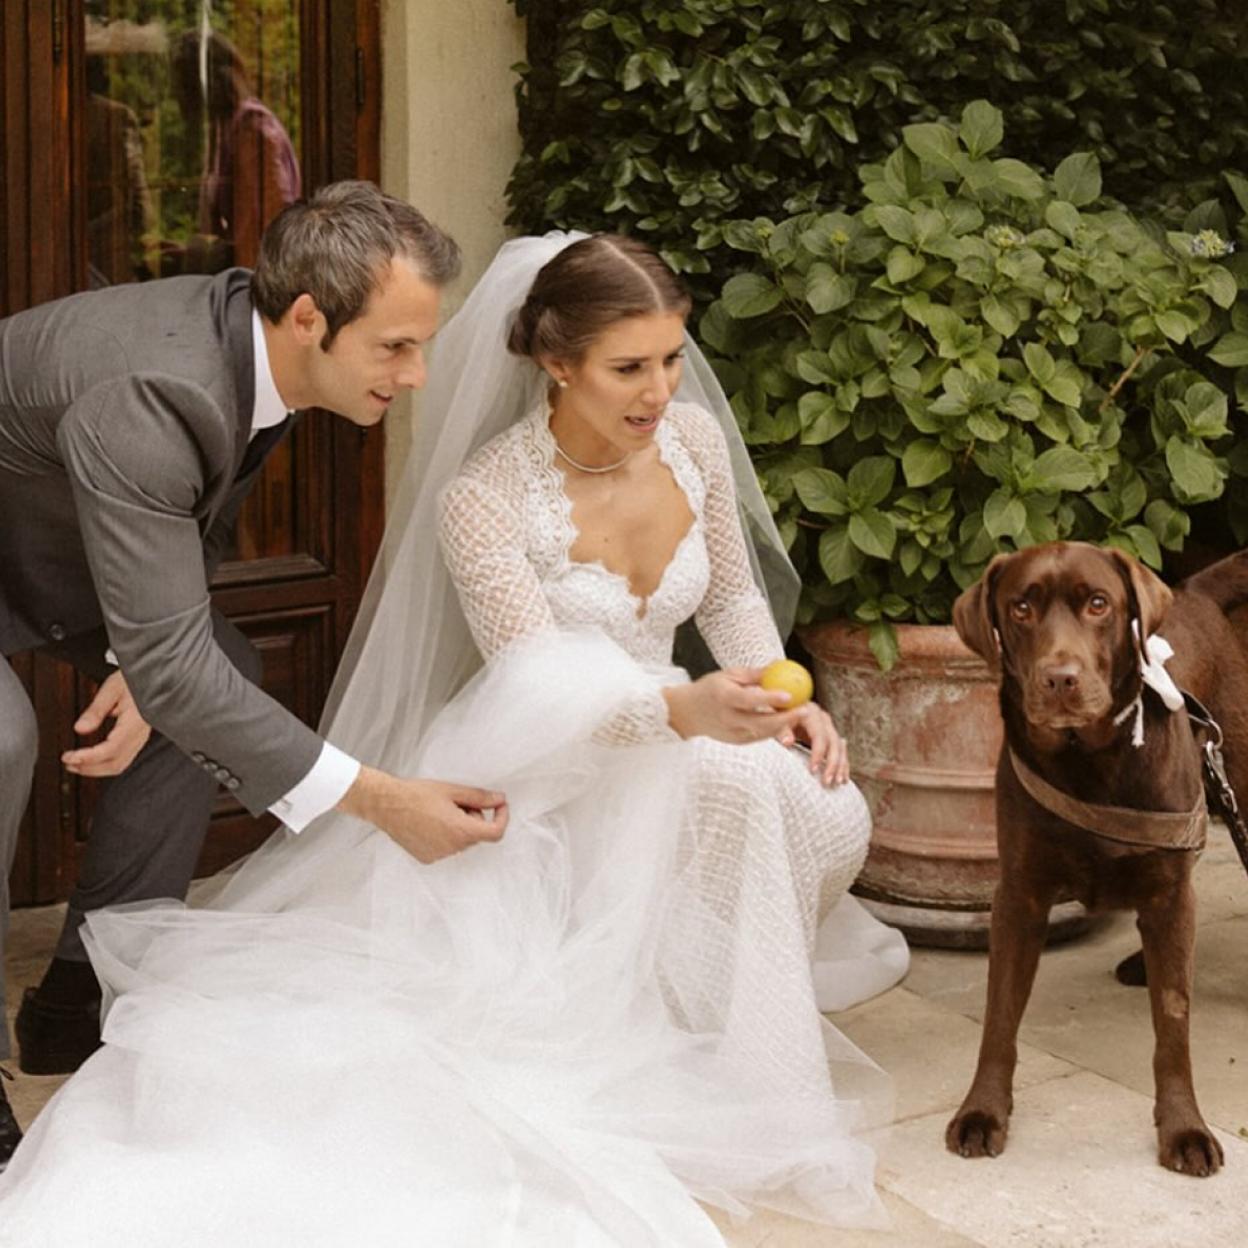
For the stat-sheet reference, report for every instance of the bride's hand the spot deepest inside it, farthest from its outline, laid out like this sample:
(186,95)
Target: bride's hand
(829,752)
(730,706)
(429,818)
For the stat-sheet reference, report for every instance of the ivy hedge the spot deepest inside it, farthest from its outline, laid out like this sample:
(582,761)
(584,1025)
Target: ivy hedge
(671,119)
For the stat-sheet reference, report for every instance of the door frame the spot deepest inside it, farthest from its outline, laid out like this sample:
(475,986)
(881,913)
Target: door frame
(43,257)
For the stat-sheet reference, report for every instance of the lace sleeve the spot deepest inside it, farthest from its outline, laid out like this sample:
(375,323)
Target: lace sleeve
(733,618)
(498,588)
(501,594)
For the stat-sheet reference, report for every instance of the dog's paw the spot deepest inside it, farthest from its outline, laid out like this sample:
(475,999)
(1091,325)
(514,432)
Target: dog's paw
(1192,1150)
(1130,971)
(975,1133)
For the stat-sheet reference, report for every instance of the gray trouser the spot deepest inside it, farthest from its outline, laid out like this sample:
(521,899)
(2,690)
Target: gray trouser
(149,822)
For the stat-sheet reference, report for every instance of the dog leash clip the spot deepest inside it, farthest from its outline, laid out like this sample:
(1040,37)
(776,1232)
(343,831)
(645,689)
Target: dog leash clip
(1215,765)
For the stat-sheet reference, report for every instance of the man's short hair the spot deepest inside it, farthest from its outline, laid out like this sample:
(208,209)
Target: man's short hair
(335,244)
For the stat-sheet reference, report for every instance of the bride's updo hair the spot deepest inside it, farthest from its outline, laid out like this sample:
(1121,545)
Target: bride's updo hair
(588,287)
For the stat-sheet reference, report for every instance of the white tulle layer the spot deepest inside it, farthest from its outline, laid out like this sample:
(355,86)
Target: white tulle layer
(352,1048)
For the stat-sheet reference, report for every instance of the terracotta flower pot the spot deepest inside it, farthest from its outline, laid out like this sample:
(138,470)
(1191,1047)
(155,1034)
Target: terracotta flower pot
(923,742)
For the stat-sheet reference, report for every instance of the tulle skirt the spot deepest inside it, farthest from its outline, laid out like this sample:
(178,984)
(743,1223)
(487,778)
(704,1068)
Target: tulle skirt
(578,1036)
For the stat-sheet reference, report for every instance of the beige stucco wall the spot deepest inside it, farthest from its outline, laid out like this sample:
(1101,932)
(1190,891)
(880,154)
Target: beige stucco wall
(448,136)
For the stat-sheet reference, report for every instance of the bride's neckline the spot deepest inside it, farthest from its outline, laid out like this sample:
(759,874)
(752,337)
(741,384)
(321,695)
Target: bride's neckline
(540,417)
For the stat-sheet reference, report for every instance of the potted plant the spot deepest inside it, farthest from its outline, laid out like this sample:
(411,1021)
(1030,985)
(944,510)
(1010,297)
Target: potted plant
(981,357)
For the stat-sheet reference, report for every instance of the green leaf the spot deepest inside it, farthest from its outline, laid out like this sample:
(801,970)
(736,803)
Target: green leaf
(822,419)
(839,558)
(883,645)
(1231,350)
(1040,364)
(1065,387)
(1220,286)
(1078,179)
(822,491)
(1017,179)
(816,368)
(903,265)
(1193,469)
(987,425)
(870,480)
(1239,187)
(982,128)
(1004,515)
(896,222)
(1063,217)
(631,75)
(1000,315)
(1062,468)
(750,294)
(910,556)
(1169,524)
(925,461)
(827,289)
(934,144)
(1206,410)
(1146,546)
(1174,325)
(873,532)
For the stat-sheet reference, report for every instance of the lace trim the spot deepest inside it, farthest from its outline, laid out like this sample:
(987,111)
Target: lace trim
(540,443)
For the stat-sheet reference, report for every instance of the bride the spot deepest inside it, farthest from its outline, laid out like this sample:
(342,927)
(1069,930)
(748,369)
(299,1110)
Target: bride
(579,1036)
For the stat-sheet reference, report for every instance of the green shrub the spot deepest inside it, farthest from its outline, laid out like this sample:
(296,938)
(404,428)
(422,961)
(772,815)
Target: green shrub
(670,118)
(982,357)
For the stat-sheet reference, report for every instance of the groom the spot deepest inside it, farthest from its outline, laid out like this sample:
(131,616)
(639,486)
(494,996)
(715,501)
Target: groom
(133,421)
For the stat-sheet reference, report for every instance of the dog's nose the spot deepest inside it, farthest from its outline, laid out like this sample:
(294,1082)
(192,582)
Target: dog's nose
(1060,677)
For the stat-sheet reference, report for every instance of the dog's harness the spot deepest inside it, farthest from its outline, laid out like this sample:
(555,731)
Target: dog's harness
(1142,829)
(1154,829)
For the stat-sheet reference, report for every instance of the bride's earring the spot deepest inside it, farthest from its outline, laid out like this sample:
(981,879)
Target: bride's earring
(561,383)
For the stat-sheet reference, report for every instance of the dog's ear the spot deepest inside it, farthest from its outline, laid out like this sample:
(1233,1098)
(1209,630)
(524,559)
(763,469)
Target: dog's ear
(1150,595)
(974,615)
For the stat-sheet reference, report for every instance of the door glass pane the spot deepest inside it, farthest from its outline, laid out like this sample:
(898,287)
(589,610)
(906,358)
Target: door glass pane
(193,130)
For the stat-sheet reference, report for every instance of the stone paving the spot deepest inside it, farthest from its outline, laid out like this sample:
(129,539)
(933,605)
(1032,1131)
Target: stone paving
(1080,1170)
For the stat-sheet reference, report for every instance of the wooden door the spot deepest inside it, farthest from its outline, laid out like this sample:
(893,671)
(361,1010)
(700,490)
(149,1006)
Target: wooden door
(143,138)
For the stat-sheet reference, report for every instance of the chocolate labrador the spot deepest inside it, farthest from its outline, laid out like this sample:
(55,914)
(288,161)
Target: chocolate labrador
(1089,745)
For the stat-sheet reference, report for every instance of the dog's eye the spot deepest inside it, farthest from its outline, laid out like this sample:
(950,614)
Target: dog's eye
(1020,609)
(1098,604)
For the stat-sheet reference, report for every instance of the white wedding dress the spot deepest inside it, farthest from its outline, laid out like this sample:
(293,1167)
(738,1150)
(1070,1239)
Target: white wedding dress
(565,1040)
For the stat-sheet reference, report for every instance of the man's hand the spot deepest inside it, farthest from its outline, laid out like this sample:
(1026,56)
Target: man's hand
(429,818)
(127,737)
(729,706)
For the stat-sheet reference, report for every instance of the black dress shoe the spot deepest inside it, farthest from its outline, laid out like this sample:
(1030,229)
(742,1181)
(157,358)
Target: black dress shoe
(55,1039)
(10,1132)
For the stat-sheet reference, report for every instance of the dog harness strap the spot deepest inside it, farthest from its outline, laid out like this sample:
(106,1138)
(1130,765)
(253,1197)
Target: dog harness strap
(1144,829)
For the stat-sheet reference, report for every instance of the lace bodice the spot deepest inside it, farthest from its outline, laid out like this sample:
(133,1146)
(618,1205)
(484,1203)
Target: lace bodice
(507,532)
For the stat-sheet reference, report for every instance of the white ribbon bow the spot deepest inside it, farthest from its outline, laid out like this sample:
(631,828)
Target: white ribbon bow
(1154,654)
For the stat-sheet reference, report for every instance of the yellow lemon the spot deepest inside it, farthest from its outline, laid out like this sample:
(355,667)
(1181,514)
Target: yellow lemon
(790,677)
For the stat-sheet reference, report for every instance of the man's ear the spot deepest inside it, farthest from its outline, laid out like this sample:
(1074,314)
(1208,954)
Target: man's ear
(306,320)
(974,615)
(1150,595)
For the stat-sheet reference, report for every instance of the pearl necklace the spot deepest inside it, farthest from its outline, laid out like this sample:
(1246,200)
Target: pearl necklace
(619,463)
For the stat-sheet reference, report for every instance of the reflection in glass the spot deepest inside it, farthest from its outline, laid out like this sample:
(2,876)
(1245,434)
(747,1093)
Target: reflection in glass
(193,132)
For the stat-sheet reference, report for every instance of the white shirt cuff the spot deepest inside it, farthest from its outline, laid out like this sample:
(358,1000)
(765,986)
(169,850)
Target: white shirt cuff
(320,790)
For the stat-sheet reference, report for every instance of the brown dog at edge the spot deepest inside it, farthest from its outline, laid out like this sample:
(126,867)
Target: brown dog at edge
(1056,621)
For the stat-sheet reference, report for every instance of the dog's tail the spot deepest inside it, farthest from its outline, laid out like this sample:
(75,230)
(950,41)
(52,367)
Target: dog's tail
(1226,581)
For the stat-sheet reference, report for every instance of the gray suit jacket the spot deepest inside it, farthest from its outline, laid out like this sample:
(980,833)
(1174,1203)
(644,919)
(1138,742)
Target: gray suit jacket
(124,417)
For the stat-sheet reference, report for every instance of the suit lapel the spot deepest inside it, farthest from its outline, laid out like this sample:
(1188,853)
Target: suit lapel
(234,314)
